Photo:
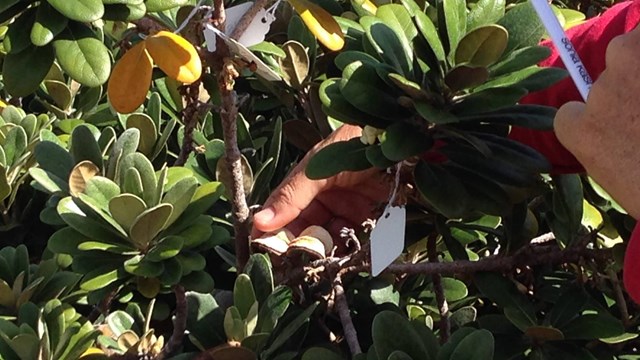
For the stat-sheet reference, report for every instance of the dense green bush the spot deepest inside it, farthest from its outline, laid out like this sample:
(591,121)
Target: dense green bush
(125,236)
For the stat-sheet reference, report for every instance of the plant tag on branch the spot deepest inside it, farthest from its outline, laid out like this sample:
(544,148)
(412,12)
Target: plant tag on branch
(257,29)
(387,238)
(254,34)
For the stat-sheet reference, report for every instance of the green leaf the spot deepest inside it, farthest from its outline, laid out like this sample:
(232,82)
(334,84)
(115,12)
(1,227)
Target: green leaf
(16,38)
(453,15)
(126,144)
(24,71)
(485,12)
(362,87)
(82,55)
(161,5)
(523,25)
(464,76)
(149,224)
(84,146)
(430,34)
(337,157)
(101,277)
(449,347)
(259,270)
(148,131)
(148,178)
(489,100)
(394,50)
(15,144)
(7,4)
(568,306)
(273,308)
(401,141)
(80,10)
(198,281)
(243,295)
(399,20)
(179,196)
(592,326)
(89,227)
(288,330)
(478,346)
(205,319)
(345,58)
(433,114)
(138,265)
(205,196)
(482,46)
(125,208)
(48,24)
(520,59)
(567,205)
(504,293)
(391,332)
(166,248)
(441,189)
(335,105)
(124,12)
(537,117)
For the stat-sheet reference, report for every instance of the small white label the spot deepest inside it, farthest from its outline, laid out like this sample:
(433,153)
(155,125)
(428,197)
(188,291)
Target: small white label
(387,238)
(210,37)
(258,27)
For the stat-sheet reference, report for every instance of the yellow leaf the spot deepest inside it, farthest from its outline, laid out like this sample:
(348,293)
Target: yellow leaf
(130,79)
(2,104)
(321,24)
(175,56)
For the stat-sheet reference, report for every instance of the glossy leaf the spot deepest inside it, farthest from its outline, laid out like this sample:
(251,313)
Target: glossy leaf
(352,158)
(48,24)
(82,55)
(23,72)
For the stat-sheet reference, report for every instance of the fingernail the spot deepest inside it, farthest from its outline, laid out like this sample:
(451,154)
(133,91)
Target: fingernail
(264,216)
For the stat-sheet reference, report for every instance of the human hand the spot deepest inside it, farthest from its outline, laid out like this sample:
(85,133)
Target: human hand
(604,133)
(345,200)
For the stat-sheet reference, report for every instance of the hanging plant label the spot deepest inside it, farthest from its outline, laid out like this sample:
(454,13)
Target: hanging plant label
(387,238)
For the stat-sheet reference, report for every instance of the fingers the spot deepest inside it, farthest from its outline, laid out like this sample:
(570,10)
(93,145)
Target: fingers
(287,201)
(566,124)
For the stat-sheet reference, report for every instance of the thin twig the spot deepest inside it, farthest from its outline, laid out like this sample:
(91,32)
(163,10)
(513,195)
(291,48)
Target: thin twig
(240,209)
(620,300)
(179,323)
(191,115)
(103,307)
(536,255)
(342,307)
(443,307)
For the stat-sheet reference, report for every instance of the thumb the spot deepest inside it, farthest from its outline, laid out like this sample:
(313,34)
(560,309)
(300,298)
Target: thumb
(288,200)
(566,121)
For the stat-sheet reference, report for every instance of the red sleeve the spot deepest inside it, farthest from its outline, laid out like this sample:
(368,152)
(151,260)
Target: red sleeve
(590,40)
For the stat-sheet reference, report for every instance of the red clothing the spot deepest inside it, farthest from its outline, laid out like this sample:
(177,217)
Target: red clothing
(590,40)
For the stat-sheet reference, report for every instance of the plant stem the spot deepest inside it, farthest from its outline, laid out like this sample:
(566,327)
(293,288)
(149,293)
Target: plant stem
(229,115)
(528,256)
(179,323)
(342,307)
(147,320)
(443,307)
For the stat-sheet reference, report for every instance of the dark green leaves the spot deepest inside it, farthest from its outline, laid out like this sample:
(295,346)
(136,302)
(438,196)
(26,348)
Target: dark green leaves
(401,141)
(337,157)
(441,189)
(22,72)
(523,25)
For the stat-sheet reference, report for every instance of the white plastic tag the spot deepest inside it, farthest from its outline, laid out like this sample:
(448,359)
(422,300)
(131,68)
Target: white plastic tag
(387,238)
(210,37)
(258,27)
